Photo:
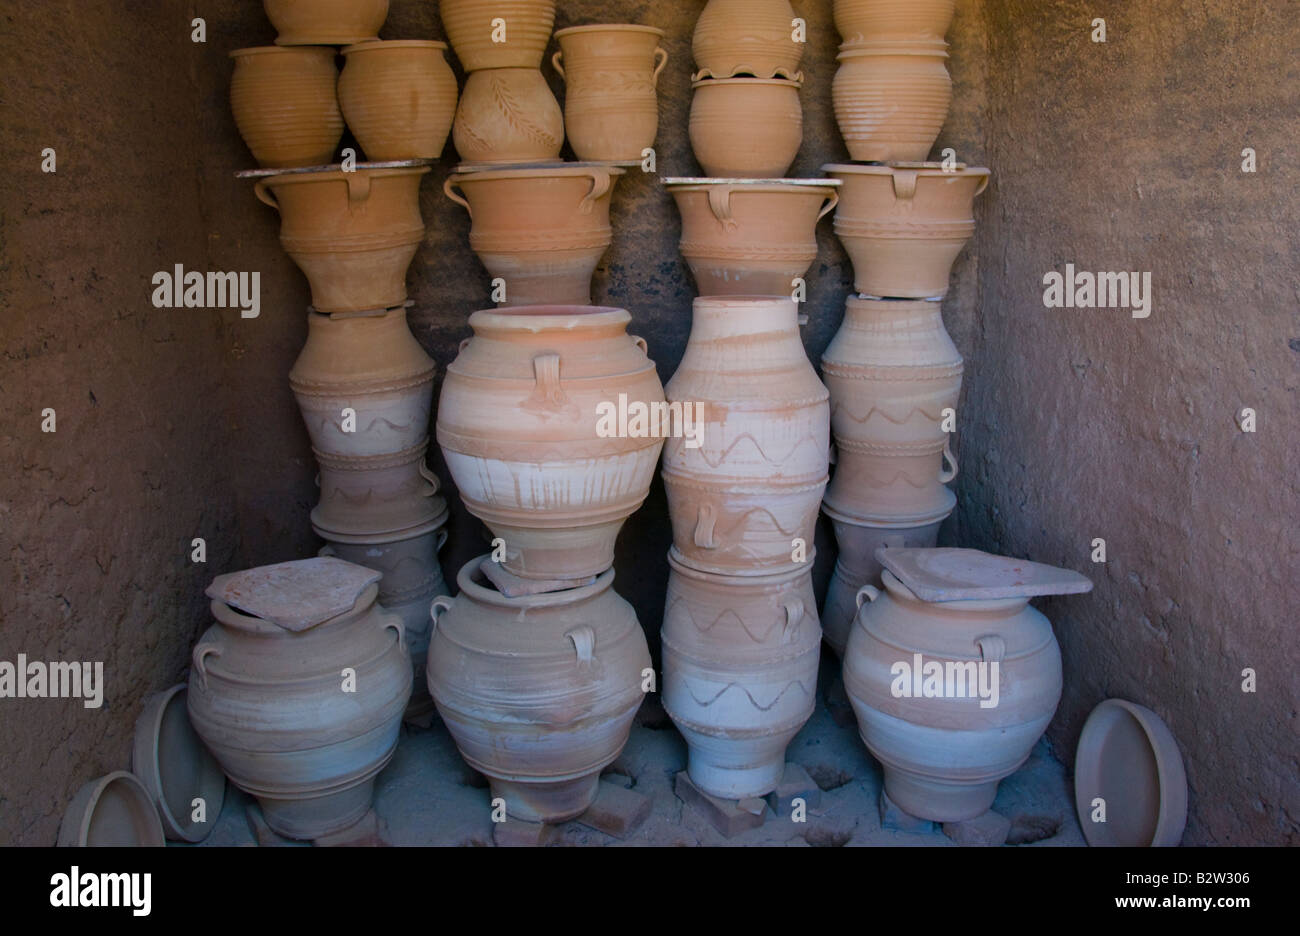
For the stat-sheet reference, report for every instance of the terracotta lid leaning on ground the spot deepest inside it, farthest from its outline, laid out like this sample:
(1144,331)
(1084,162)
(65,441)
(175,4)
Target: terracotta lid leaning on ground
(175,766)
(1129,761)
(295,595)
(114,810)
(971,575)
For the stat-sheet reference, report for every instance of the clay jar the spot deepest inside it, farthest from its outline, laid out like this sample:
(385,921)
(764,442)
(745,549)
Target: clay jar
(748,128)
(480,43)
(352,233)
(891,371)
(398,98)
(541,230)
(364,384)
(740,673)
(611,107)
(508,115)
(903,228)
(376,495)
(750,238)
(115,810)
(326,22)
(747,37)
(891,98)
(751,483)
(520,426)
(861,20)
(538,692)
(264,693)
(285,105)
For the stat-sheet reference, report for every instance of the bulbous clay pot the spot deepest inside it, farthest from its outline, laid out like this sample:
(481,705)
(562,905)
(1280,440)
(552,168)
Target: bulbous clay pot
(611,106)
(538,692)
(942,748)
(173,765)
(370,496)
(891,98)
(480,41)
(891,371)
(863,20)
(752,485)
(747,37)
(740,673)
(265,691)
(541,230)
(353,234)
(750,238)
(903,228)
(115,810)
(398,98)
(364,384)
(326,22)
(285,105)
(520,426)
(746,128)
(508,115)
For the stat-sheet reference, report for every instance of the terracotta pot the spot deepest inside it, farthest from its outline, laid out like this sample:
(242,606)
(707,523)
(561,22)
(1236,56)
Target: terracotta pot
(285,105)
(740,673)
(519,426)
(265,691)
(903,228)
(470,28)
(398,98)
(326,22)
(747,128)
(611,107)
(508,115)
(371,496)
(944,748)
(364,384)
(352,233)
(541,230)
(115,810)
(538,692)
(747,238)
(747,37)
(891,98)
(171,762)
(741,498)
(863,20)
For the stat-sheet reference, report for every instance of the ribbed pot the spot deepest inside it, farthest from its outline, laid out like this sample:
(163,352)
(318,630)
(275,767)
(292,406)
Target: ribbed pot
(285,105)
(325,22)
(520,425)
(747,37)
(891,98)
(740,673)
(903,228)
(475,30)
(364,384)
(864,20)
(353,234)
(749,490)
(269,701)
(611,106)
(746,128)
(538,692)
(398,98)
(508,115)
(944,756)
(746,238)
(541,230)
(371,496)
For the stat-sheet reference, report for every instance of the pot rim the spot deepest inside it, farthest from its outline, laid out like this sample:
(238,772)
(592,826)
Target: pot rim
(338,175)
(548,317)
(469,587)
(894,585)
(856,169)
(737,581)
(610,27)
(698,83)
(562,170)
(688,182)
(379,45)
(147,743)
(740,303)
(288,50)
(94,792)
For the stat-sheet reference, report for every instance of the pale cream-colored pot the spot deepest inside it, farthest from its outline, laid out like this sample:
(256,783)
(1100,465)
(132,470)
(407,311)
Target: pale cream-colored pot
(285,105)
(498,33)
(376,495)
(398,98)
(864,20)
(508,115)
(746,128)
(325,22)
(891,98)
(747,37)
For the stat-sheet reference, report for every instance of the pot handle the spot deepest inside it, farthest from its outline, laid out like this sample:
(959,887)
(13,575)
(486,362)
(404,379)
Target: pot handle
(327,551)
(704,527)
(394,622)
(984,183)
(463,345)
(263,193)
(867,593)
(441,541)
(905,184)
(555,60)
(640,343)
(950,472)
(201,652)
(993,649)
(794,614)
(358,186)
(661,59)
(427,473)
(448,189)
(440,606)
(720,202)
(601,183)
(584,644)
(830,204)
(546,372)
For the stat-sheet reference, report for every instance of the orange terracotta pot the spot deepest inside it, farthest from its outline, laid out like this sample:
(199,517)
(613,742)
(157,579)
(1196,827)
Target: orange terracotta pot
(541,230)
(352,233)
(611,106)
(746,128)
(285,105)
(482,43)
(863,20)
(747,37)
(508,115)
(891,98)
(398,98)
(376,495)
(325,22)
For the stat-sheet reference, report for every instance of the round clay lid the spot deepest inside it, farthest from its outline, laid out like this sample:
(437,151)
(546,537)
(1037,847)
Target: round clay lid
(175,767)
(1128,760)
(114,810)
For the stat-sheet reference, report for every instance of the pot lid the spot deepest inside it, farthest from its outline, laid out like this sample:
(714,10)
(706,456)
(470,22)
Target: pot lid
(175,766)
(1128,758)
(114,810)
(811,183)
(971,575)
(295,595)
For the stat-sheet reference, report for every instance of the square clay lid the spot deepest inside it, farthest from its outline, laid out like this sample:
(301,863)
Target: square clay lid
(971,575)
(295,595)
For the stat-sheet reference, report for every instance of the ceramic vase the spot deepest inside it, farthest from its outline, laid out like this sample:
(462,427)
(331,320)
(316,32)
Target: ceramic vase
(747,37)
(285,105)
(376,495)
(611,106)
(498,33)
(539,693)
(508,115)
(746,128)
(860,21)
(891,98)
(398,98)
(326,22)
